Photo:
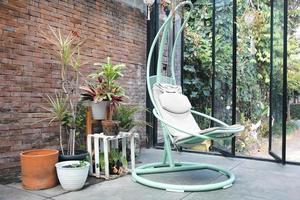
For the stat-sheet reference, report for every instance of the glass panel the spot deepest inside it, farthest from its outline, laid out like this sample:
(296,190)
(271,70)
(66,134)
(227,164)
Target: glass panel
(277,74)
(293,123)
(223,66)
(253,77)
(197,69)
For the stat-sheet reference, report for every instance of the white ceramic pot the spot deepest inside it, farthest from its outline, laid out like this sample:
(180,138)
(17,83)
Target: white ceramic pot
(72,178)
(99,110)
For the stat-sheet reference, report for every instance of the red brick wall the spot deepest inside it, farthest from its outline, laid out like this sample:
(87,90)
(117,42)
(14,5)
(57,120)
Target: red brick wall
(27,72)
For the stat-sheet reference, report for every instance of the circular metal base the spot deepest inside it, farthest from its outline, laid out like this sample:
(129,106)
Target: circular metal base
(183,166)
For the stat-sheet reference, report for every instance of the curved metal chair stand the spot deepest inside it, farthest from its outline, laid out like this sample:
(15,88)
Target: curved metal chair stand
(168,165)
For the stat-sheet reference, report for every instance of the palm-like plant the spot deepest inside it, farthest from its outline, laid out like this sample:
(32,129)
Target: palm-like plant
(58,111)
(67,51)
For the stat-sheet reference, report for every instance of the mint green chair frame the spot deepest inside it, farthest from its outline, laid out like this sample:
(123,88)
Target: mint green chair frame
(168,165)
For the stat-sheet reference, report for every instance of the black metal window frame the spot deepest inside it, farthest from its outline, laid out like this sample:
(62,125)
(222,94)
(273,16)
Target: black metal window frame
(281,159)
(152,29)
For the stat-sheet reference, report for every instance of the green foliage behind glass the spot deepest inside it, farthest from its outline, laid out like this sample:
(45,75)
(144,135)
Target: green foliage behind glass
(295,111)
(197,70)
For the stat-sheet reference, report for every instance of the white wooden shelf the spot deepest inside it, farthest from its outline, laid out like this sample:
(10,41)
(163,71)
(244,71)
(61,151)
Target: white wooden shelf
(98,142)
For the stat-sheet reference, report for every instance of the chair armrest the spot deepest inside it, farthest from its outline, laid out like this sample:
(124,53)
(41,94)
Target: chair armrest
(209,117)
(209,131)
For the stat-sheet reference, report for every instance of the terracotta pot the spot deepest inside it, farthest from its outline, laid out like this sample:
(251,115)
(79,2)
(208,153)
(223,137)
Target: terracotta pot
(110,127)
(38,168)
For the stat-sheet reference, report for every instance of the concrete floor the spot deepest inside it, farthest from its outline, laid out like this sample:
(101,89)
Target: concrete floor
(254,180)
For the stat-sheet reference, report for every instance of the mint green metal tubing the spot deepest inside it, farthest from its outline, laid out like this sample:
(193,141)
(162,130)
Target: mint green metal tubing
(161,49)
(146,169)
(162,28)
(177,39)
(209,117)
(164,168)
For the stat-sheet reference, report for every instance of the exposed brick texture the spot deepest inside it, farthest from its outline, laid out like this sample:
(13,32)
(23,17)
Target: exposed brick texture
(27,72)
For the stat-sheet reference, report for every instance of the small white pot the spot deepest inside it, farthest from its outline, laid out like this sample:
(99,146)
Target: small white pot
(72,178)
(99,110)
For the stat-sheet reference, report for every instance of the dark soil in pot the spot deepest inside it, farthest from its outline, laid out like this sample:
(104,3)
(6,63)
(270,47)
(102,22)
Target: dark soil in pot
(79,155)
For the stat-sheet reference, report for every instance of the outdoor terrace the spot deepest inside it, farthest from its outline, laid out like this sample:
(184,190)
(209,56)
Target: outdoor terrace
(255,180)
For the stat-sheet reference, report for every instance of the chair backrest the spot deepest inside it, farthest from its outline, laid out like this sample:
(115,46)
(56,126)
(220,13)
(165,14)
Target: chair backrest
(174,108)
(164,30)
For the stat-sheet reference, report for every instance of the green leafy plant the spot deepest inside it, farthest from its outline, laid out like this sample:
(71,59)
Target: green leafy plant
(58,110)
(107,88)
(197,69)
(81,163)
(117,162)
(80,125)
(101,161)
(93,92)
(252,61)
(125,114)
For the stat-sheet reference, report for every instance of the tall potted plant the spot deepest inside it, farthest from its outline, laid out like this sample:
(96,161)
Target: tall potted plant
(108,90)
(64,105)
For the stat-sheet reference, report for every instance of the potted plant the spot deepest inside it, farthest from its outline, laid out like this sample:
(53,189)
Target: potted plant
(126,115)
(93,94)
(72,174)
(117,162)
(106,90)
(63,107)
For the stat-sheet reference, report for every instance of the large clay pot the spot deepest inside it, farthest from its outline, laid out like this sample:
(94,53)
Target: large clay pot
(38,168)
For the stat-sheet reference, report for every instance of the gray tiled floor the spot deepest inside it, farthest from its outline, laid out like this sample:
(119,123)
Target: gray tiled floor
(255,180)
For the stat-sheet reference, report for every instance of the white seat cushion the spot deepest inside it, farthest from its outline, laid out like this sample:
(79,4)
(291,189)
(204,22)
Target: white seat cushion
(180,117)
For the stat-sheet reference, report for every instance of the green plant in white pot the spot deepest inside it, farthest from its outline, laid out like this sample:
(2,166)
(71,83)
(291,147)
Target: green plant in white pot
(93,93)
(107,90)
(72,174)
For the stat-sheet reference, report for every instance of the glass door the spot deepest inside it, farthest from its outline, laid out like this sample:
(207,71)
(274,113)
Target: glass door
(278,89)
